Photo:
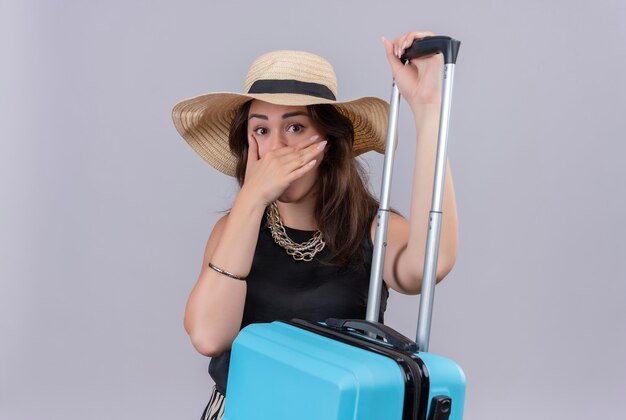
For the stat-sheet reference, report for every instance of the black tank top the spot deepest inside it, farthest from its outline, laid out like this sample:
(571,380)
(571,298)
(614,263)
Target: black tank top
(281,288)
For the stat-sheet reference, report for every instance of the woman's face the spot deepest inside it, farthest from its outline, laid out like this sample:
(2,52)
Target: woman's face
(275,126)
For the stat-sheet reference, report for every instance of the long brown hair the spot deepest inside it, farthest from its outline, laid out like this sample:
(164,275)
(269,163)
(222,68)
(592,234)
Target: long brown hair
(345,207)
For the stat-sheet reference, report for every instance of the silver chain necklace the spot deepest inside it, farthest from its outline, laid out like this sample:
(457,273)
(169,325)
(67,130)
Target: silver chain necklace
(304,251)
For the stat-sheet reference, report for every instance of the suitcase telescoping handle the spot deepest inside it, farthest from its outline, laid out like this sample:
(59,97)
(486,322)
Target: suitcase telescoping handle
(427,46)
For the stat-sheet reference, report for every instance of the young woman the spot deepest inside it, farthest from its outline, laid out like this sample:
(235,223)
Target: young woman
(297,241)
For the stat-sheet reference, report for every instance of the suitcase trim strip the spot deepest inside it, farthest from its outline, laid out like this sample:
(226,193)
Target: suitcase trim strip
(416,377)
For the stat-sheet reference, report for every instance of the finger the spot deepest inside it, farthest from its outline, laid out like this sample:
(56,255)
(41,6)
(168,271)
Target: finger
(253,149)
(302,155)
(301,171)
(279,153)
(307,143)
(315,147)
(290,158)
(412,36)
(306,155)
(393,59)
(407,40)
(398,43)
(284,150)
(300,158)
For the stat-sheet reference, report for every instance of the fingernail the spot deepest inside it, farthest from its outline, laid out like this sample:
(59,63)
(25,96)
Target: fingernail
(311,163)
(321,145)
(315,137)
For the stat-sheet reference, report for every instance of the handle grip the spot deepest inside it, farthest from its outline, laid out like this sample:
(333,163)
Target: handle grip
(431,45)
(389,335)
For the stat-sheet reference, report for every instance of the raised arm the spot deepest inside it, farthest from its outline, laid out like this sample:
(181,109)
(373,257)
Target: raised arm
(215,306)
(419,83)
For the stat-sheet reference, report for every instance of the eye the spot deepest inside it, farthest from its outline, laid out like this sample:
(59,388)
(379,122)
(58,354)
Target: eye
(295,128)
(260,131)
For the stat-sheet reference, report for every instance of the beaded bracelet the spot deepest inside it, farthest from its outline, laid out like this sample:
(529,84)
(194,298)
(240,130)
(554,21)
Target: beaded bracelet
(226,273)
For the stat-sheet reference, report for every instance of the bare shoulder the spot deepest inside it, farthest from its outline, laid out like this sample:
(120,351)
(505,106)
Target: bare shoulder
(214,239)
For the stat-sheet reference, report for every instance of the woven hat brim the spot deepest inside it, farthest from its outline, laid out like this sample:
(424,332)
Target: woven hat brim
(204,122)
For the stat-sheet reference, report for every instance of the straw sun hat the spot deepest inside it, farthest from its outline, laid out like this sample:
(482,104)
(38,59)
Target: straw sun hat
(284,78)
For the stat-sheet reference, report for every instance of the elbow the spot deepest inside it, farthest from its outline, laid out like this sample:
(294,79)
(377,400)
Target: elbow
(207,348)
(205,340)
(412,284)
(444,266)
(207,345)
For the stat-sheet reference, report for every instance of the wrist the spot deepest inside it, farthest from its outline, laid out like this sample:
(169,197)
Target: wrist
(249,203)
(425,113)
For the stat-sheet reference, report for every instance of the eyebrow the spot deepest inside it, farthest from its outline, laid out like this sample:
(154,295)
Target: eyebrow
(259,116)
(284,117)
(295,114)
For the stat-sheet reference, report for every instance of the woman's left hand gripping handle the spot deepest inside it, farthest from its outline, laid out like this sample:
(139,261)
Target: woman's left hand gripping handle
(419,80)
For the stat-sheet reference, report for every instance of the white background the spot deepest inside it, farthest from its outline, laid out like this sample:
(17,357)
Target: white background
(105,210)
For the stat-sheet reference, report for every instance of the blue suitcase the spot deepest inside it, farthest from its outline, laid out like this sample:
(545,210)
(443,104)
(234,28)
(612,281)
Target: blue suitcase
(309,371)
(356,369)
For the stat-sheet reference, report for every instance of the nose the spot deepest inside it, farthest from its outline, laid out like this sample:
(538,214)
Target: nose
(277,140)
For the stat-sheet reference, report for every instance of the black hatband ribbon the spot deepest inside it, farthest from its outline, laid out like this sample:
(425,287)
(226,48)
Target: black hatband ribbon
(292,86)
